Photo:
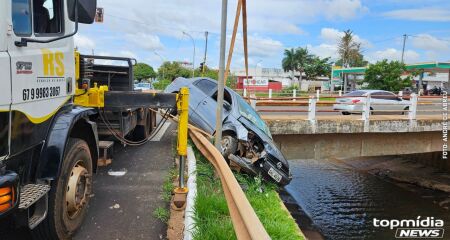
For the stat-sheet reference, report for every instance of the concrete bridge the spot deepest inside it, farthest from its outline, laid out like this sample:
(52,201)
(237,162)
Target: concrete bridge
(351,136)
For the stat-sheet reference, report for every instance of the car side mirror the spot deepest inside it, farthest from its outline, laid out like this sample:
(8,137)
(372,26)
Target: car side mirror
(86,10)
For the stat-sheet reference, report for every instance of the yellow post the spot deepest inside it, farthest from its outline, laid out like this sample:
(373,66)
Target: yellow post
(183,111)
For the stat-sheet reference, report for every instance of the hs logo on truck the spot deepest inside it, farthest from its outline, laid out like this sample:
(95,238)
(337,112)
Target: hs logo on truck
(53,63)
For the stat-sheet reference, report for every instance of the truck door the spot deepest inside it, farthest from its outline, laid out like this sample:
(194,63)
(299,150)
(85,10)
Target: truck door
(42,73)
(5,82)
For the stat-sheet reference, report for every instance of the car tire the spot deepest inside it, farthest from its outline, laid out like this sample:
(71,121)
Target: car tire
(62,221)
(229,145)
(371,111)
(345,113)
(405,110)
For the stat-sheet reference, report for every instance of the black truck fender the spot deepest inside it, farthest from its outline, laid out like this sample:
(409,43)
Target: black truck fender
(73,123)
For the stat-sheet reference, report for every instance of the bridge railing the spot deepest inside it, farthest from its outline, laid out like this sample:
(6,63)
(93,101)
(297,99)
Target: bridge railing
(361,105)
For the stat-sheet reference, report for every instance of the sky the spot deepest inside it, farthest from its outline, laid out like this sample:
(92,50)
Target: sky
(152,30)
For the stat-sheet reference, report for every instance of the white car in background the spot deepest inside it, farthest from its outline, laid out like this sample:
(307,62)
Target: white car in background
(380,100)
(143,86)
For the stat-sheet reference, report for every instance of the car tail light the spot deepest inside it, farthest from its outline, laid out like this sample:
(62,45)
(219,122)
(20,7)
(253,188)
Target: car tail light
(6,198)
(356,101)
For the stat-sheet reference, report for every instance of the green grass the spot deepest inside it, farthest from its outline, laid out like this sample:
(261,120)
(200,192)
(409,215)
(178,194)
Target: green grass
(168,185)
(162,214)
(213,219)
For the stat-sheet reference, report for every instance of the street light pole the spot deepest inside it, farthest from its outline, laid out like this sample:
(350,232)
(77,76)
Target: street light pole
(162,59)
(193,57)
(221,82)
(256,69)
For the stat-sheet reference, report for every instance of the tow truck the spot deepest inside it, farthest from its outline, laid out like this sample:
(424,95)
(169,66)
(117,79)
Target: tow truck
(59,111)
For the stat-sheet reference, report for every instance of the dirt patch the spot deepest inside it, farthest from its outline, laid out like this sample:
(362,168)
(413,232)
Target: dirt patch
(175,225)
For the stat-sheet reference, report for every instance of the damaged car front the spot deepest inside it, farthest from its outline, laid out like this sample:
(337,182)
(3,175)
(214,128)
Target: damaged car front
(247,144)
(256,152)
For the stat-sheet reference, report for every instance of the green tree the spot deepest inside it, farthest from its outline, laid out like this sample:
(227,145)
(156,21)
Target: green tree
(143,71)
(317,67)
(349,51)
(296,60)
(171,70)
(387,76)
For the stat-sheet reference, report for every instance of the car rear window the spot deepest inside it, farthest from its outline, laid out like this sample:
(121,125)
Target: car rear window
(206,86)
(355,94)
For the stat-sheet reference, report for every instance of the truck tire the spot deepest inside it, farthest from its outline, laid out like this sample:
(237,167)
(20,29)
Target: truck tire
(142,132)
(70,194)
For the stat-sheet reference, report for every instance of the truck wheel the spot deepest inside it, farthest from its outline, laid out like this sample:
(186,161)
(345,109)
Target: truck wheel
(142,132)
(70,194)
(229,145)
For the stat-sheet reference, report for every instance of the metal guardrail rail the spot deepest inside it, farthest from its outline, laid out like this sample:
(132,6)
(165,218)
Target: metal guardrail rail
(245,221)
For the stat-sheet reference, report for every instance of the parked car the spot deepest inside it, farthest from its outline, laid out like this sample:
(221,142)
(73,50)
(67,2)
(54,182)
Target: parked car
(143,86)
(380,100)
(246,139)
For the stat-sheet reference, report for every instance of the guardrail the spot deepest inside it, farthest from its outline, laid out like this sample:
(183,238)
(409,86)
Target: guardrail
(245,221)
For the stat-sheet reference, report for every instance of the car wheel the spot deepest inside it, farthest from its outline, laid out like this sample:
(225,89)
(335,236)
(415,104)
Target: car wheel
(70,194)
(229,145)
(371,111)
(345,113)
(405,110)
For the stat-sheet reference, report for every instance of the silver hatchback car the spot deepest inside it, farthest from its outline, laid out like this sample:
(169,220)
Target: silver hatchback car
(380,101)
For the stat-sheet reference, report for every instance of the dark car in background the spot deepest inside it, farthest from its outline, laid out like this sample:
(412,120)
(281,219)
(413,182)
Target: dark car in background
(246,139)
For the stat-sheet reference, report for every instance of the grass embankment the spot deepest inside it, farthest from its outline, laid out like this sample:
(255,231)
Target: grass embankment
(213,219)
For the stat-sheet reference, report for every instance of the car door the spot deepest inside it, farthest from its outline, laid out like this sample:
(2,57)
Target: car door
(204,114)
(42,73)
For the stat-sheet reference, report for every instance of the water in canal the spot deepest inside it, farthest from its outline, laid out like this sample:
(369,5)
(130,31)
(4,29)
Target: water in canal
(342,202)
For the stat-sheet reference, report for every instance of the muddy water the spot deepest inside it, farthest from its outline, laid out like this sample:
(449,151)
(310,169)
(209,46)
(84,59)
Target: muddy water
(341,202)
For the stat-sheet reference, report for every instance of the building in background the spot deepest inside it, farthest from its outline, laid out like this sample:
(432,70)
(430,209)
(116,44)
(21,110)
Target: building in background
(263,79)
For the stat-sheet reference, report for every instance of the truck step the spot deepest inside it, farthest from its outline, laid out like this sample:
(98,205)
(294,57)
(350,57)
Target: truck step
(106,153)
(31,193)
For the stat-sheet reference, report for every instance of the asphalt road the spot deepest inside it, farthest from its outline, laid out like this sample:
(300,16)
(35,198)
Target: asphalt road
(122,206)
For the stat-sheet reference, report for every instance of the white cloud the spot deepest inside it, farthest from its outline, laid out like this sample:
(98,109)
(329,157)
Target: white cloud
(84,42)
(324,50)
(258,46)
(421,14)
(428,42)
(393,54)
(146,41)
(128,54)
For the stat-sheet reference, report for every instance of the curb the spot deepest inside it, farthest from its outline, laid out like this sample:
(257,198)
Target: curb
(189,222)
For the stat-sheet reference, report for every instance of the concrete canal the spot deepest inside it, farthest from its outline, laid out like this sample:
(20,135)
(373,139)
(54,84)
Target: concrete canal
(333,201)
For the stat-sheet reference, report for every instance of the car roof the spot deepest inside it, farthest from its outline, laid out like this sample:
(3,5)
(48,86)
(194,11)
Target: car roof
(370,90)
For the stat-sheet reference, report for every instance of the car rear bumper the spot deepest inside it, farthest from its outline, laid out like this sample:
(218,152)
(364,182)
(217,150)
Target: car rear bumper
(347,107)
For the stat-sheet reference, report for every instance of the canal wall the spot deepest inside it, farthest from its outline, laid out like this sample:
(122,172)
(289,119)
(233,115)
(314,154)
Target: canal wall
(348,145)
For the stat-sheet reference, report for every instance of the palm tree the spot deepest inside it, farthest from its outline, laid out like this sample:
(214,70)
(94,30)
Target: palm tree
(296,60)
(348,49)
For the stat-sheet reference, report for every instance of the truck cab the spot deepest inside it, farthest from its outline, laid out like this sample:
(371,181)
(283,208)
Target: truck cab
(40,126)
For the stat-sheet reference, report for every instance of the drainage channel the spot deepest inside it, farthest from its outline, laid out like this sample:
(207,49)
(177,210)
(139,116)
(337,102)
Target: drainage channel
(330,201)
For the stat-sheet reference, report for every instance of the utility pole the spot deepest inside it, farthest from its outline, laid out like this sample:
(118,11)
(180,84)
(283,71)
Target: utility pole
(404,43)
(221,83)
(162,62)
(193,56)
(206,49)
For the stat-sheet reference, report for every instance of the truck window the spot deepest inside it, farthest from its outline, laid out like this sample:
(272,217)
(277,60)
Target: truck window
(21,17)
(47,16)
